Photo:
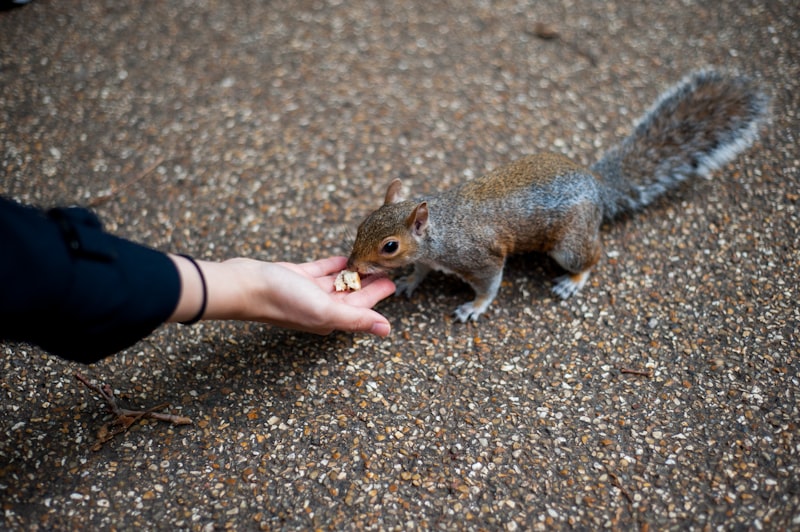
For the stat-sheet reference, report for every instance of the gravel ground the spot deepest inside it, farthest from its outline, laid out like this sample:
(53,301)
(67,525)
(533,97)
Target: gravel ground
(664,396)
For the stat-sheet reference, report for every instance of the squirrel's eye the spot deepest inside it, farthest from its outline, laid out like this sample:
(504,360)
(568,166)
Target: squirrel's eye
(390,247)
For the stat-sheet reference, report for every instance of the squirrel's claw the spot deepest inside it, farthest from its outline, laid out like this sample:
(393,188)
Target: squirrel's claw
(406,285)
(403,288)
(469,312)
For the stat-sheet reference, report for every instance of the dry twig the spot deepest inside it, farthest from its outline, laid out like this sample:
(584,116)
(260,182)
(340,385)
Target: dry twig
(117,189)
(641,372)
(617,484)
(124,418)
(549,32)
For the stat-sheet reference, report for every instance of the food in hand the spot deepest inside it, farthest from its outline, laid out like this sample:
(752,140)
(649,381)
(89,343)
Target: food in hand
(347,280)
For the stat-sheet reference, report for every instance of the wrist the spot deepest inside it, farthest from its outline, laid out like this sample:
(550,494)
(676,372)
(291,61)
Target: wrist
(194,290)
(203,292)
(227,285)
(230,289)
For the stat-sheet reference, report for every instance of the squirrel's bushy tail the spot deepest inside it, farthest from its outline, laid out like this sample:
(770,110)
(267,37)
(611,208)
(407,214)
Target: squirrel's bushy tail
(693,128)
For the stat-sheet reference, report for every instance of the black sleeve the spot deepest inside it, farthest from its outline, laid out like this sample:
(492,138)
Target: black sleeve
(75,290)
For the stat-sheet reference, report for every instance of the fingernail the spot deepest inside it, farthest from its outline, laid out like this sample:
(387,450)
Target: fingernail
(381,329)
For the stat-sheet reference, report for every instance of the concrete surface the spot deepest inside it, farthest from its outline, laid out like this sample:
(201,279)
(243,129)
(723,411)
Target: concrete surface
(272,128)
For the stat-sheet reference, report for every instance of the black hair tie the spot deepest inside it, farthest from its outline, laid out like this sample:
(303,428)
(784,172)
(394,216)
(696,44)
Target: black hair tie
(205,292)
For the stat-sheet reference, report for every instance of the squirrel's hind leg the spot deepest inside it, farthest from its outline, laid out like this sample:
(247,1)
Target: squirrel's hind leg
(569,285)
(578,258)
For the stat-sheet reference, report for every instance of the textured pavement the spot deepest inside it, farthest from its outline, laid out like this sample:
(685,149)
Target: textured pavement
(664,396)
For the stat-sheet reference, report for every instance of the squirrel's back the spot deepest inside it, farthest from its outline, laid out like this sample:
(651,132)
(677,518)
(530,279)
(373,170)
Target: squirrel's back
(694,128)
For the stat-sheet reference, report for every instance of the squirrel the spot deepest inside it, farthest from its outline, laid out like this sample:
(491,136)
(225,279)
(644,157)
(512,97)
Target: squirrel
(547,203)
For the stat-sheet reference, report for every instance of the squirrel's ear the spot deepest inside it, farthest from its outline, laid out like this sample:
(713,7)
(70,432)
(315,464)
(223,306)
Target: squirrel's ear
(393,192)
(418,220)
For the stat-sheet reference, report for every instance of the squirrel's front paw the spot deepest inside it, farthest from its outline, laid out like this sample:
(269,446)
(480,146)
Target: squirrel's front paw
(469,312)
(406,285)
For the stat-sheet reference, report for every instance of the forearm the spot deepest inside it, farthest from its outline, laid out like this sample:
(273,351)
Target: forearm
(75,290)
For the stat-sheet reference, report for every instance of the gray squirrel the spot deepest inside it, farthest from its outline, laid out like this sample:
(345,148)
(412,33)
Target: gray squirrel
(549,204)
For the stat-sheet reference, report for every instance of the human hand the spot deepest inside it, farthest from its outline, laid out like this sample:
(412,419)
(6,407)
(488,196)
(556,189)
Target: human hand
(295,296)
